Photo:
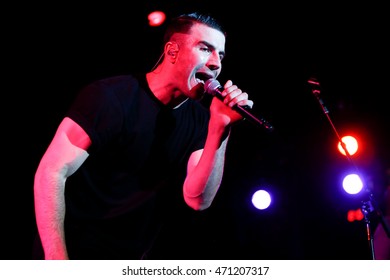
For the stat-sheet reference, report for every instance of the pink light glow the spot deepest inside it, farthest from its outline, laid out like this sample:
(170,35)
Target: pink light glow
(156,18)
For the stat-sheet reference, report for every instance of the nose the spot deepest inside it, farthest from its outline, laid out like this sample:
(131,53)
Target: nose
(214,62)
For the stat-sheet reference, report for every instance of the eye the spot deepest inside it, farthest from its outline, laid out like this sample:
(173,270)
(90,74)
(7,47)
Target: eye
(206,49)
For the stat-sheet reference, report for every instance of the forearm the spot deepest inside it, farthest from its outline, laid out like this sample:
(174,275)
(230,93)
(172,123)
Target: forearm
(204,178)
(50,213)
(60,161)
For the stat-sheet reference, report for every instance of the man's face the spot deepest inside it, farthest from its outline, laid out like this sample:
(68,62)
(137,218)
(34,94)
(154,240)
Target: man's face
(199,58)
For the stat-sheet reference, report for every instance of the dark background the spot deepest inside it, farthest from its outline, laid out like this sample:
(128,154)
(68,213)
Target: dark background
(272,50)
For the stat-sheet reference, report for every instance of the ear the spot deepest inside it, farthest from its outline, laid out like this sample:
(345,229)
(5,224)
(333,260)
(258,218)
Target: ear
(171,49)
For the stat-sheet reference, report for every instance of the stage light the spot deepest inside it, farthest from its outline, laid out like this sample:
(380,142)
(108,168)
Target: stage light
(350,143)
(261,199)
(355,215)
(352,184)
(156,18)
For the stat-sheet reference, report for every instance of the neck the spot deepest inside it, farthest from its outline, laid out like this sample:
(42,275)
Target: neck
(165,91)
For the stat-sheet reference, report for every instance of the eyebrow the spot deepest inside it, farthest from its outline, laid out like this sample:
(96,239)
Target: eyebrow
(221,53)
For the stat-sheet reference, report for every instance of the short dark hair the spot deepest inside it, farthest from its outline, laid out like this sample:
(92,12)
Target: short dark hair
(184,22)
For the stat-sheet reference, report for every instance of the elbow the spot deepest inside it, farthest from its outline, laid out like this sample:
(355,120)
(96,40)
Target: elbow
(197,203)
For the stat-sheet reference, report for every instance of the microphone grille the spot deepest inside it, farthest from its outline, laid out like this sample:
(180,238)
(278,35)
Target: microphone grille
(210,85)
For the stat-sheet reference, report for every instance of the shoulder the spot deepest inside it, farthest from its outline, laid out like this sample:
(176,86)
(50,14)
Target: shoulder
(111,87)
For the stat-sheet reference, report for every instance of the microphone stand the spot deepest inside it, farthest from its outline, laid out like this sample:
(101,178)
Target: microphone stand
(369,207)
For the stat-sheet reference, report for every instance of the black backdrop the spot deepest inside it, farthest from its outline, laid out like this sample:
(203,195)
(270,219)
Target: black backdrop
(272,50)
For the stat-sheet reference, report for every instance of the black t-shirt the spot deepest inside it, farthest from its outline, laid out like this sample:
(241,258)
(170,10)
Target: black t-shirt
(135,169)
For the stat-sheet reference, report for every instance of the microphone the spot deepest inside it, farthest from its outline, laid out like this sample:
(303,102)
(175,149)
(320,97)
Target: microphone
(214,88)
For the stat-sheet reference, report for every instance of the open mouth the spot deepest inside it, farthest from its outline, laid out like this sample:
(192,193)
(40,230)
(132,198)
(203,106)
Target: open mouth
(202,77)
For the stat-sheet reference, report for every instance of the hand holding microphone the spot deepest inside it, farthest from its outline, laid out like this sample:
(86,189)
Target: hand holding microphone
(214,88)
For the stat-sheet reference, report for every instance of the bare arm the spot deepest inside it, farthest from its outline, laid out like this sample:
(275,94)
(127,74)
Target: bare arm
(65,154)
(205,167)
(204,174)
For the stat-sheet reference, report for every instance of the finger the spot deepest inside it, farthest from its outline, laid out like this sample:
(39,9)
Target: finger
(238,97)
